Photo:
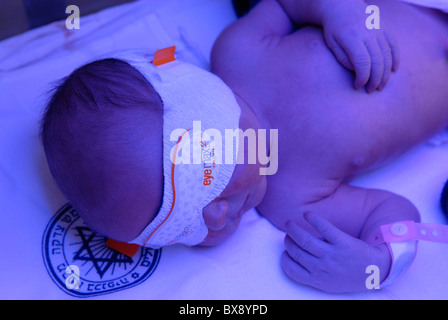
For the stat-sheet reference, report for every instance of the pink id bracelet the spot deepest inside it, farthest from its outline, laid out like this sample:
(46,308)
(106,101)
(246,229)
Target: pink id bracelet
(410,230)
(401,239)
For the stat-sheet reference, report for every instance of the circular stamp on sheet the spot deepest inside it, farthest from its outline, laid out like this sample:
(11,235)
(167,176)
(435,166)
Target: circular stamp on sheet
(82,265)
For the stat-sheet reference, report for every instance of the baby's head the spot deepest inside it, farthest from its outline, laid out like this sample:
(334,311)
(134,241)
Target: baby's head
(103,134)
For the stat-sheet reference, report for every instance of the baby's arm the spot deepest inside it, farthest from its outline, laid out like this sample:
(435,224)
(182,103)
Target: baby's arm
(323,256)
(371,54)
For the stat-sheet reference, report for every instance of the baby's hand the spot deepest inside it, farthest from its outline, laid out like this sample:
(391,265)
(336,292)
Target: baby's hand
(336,263)
(371,54)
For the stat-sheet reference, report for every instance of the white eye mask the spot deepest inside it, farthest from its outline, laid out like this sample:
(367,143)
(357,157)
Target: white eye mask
(198,107)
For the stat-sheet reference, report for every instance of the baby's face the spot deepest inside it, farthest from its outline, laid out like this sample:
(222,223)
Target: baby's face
(222,216)
(245,191)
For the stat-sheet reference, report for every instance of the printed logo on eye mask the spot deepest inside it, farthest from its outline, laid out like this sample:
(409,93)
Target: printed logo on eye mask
(209,160)
(211,152)
(82,265)
(181,235)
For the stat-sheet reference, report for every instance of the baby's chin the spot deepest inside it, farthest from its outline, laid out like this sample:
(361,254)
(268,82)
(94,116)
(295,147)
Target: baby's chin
(211,240)
(217,237)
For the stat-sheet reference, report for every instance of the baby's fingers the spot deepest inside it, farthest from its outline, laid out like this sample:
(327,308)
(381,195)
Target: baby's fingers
(329,232)
(298,237)
(360,60)
(395,51)
(300,256)
(377,71)
(339,53)
(294,270)
(387,58)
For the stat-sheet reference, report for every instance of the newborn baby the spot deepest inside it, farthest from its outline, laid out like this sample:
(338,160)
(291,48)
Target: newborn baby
(106,134)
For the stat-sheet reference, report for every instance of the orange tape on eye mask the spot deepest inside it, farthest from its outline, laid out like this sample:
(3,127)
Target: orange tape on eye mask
(129,249)
(164,55)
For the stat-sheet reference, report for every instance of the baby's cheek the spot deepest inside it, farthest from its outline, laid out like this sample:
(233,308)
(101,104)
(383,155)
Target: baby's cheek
(251,176)
(260,191)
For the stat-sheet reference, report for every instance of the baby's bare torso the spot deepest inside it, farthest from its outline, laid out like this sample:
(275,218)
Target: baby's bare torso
(327,130)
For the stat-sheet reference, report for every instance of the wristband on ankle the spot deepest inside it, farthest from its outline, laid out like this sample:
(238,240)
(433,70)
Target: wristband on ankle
(401,239)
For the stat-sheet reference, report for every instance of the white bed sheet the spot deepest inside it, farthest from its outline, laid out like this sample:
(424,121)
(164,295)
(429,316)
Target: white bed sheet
(245,267)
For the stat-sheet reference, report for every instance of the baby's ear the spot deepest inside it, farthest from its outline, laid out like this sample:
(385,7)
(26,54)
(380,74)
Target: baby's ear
(215,214)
